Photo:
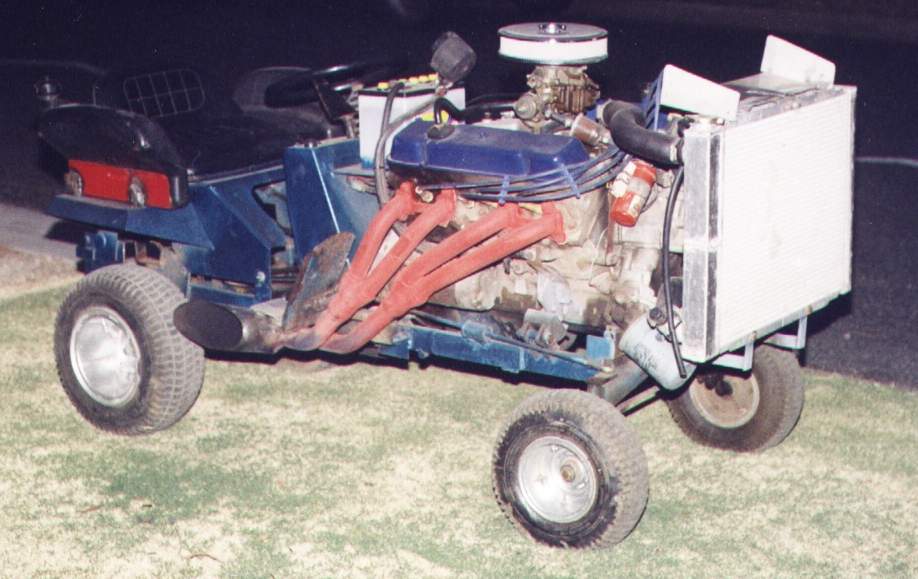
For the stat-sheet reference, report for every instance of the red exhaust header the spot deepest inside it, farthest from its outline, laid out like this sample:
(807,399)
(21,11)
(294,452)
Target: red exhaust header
(501,233)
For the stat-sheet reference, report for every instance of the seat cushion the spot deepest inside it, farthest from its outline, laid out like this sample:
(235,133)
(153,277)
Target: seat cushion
(211,134)
(210,145)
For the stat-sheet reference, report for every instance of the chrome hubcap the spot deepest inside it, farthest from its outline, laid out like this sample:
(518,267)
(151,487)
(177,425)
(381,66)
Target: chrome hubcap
(557,480)
(105,356)
(728,405)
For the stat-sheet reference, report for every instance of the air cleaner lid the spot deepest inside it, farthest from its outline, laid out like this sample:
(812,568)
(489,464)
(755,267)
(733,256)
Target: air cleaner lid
(557,43)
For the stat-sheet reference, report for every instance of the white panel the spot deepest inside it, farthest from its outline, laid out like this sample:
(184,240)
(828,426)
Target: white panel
(370,106)
(554,43)
(785,216)
(781,58)
(695,94)
(543,52)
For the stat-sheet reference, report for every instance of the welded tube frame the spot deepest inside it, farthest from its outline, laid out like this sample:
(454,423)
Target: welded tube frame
(362,282)
(445,266)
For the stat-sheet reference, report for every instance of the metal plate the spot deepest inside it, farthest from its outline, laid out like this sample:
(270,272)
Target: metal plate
(553,31)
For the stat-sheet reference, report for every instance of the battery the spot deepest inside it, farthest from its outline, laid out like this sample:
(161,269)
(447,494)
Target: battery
(372,101)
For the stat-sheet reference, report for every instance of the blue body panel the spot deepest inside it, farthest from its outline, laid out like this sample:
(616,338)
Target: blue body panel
(319,201)
(221,233)
(180,225)
(224,234)
(471,346)
(100,249)
(484,150)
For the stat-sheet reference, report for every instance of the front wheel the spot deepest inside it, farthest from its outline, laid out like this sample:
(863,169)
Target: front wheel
(120,359)
(569,471)
(743,412)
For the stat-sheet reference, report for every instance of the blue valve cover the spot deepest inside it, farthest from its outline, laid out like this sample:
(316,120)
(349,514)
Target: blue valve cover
(483,150)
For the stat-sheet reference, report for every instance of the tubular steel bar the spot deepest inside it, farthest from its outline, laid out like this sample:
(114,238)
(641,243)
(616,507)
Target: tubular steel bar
(415,285)
(360,285)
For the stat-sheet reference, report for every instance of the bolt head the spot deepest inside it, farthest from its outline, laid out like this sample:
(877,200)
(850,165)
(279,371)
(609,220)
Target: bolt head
(568,473)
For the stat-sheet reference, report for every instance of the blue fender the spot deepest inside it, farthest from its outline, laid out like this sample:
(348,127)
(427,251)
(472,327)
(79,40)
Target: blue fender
(221,233)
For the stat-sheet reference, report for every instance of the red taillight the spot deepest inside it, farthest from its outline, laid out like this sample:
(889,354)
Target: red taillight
(134,186)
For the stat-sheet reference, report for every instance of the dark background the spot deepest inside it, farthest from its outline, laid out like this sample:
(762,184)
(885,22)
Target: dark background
(871,333)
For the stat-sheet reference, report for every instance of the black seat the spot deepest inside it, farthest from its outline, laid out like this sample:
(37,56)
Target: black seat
(209,132)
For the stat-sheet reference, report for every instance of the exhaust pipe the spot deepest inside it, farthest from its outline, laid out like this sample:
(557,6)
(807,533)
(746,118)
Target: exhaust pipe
(626,378)
(227,328)
(650,350)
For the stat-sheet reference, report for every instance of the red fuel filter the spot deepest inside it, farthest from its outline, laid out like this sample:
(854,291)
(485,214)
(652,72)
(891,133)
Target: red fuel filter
(630,191)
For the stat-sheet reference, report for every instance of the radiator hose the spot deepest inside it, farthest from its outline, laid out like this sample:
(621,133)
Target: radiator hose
(625,122)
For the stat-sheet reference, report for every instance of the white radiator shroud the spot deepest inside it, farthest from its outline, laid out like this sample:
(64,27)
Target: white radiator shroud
(767,213)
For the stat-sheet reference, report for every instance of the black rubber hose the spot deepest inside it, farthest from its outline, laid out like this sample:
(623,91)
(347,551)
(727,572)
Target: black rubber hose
(625,122)
(444,103)
(469,114)
(550,127)
(388,129)
(506,97)
(667,280)
(379,157)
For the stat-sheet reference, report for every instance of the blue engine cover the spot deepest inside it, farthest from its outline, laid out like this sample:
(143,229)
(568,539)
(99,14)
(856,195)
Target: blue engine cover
(483,150)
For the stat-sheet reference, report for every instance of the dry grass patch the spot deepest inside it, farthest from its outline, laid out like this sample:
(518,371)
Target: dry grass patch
(22,272)
(374,470)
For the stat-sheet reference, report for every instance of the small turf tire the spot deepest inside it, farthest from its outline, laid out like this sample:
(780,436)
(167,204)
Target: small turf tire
(569,471)
(121,361)
(743,412)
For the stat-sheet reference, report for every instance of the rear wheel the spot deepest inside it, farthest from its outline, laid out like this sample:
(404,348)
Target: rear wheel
(121,361)
(569,471)
(744,412)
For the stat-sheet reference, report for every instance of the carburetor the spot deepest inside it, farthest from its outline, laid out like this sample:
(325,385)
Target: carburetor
(559,84)
(556,90)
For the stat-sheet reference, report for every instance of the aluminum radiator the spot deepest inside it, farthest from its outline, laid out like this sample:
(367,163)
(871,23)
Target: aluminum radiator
(767,208)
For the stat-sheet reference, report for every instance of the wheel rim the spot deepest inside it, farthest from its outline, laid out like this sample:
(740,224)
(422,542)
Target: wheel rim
(557,480)
(730,404)
(105,356)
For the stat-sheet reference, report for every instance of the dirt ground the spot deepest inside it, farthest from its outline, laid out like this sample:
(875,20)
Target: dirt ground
(22,272)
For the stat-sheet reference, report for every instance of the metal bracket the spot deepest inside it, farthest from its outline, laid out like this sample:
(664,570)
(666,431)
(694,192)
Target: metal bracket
(504,185)
(790,341)
(570,181)
(743,361)
(100,249)
(650,104)
(736,361)
(599,348)
(504,353)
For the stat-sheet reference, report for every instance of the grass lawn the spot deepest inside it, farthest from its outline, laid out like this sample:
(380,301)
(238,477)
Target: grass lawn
(368,470)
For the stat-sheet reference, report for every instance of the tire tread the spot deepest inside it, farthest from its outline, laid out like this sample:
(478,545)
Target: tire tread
(177,371)
(782,370)
(611,432)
